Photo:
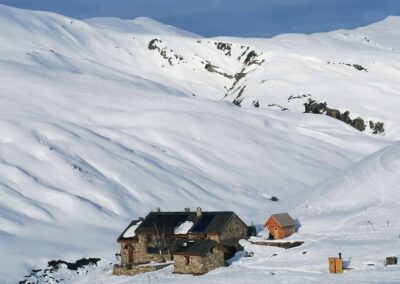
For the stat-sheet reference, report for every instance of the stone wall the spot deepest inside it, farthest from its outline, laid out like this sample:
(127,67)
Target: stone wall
(198,264)
(234,230)
(213,237)
(141,253)
(137,269)
(125,247)
(195,265)
(214,260)
(152,241)
(282,244)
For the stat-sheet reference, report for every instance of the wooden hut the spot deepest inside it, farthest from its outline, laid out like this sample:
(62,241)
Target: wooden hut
(391,260)
(336,264)
(280,226)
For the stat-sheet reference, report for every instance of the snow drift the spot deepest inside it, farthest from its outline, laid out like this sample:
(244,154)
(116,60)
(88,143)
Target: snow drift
(365,196)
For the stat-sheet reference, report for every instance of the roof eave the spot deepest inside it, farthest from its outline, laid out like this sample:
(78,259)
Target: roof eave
(189,254)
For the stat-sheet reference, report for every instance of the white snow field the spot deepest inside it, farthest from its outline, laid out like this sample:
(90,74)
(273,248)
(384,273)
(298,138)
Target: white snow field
(101,123)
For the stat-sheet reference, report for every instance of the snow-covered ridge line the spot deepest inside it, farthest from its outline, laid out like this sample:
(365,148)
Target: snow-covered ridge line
(210,68)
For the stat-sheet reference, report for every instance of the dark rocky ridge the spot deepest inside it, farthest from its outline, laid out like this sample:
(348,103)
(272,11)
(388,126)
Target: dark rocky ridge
(164,51)
(311,106)
(48,275)
(214,69)
(356,66)
(238,100)
(224,46)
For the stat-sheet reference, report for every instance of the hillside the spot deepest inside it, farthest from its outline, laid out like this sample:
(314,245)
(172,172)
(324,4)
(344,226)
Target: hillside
(365,195)
(103,120)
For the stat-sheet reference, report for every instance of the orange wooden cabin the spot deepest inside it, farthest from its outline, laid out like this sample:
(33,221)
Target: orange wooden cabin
(280,226)
(336,264)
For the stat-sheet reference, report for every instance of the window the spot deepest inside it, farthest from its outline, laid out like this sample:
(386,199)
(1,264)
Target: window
(130,255)
(148,238)
(151,250)
(187,260)
(212,250)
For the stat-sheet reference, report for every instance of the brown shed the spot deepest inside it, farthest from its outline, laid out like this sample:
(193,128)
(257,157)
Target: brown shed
(336,264)
(280,226)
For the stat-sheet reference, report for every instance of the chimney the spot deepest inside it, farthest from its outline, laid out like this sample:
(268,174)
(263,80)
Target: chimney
(187,209)
(198,212)
(141,218)
(340,255)
(158,209)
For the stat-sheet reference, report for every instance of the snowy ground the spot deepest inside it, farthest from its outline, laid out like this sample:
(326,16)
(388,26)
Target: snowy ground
(97,129)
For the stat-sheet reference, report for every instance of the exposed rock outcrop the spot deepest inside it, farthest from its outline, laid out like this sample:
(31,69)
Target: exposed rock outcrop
(214,69)
(224,46)
(311,106)
(169,55)
(356,66)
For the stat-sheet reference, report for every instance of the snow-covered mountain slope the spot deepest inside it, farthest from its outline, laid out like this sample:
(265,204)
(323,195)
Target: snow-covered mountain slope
(281,73)
(103,120)
(364,196)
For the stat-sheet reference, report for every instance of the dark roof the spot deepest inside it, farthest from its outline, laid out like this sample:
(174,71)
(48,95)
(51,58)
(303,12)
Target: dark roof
(198,248)
(209,222)
(164,221)
(214,222)
(121,237)
(284,219)
(231,243)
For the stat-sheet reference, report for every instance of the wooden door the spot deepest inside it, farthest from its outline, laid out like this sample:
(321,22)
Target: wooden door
(276,233)
(339,265)
(332,265)
(130,256)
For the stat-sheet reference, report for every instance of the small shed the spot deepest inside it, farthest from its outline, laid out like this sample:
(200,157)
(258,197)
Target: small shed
(336,264)
(280,226)
(391,260)
(198,257)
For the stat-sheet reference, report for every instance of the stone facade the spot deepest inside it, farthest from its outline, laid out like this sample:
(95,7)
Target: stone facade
(188,264)
(127,249)
(137,269)
(147,248)
(146,245)
(198,265)
(235,229)
(213,237)
(214,259)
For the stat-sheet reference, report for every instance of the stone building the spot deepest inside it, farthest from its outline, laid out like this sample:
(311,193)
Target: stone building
(157,237)
(198,257)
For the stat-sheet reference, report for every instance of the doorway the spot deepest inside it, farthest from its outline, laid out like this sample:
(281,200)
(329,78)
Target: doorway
(276,233)
(130,255)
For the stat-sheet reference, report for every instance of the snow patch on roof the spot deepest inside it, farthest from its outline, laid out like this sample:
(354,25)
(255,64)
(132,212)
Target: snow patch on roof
(130,233)
(183,228)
